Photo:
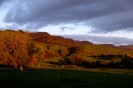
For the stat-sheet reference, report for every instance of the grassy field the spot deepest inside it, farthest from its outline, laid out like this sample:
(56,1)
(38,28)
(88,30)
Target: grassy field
(55,78)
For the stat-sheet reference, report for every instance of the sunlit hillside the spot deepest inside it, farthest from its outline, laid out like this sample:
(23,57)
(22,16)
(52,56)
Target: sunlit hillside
(42,50)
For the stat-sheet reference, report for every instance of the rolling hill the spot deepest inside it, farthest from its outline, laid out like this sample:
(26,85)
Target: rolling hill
(44,51)
(71,50)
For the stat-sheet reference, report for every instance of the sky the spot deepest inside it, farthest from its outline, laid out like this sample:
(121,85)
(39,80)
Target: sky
(97,21)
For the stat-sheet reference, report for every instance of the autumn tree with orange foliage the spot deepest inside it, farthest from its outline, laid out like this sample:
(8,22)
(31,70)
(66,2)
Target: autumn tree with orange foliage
(14,47)
(76,60)
(63,51)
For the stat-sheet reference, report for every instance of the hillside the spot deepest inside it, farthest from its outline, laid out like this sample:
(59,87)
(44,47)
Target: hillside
(76,52)
(44,37)
(126,47)
(42,50)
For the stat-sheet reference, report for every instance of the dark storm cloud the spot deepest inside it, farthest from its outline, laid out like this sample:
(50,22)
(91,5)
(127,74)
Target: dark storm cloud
(2,1)
(102,39)
(101,15)
(114,22)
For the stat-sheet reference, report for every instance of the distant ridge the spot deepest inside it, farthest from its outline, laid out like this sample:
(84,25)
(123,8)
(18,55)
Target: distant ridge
(45,37)
(127,47)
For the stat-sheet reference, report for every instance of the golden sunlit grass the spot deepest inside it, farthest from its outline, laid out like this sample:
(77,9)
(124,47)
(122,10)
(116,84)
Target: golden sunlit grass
(102,49)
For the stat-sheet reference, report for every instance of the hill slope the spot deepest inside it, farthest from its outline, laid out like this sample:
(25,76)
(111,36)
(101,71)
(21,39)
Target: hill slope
(43,50)
(44,37)
(70,51)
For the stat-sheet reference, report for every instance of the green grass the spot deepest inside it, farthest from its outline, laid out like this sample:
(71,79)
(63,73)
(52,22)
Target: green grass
(98,49)
(55,78)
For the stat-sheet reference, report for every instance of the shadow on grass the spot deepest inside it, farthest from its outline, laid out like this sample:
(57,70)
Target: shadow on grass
(55,78)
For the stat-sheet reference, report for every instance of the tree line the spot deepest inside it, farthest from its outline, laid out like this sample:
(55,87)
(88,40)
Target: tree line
(101,61)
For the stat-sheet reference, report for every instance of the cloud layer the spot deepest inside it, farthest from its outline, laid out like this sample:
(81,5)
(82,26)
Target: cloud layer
(72,17)
(101,15)
(102,39)
(1,1)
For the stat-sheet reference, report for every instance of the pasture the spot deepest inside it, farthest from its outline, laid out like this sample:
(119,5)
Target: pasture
(56,78)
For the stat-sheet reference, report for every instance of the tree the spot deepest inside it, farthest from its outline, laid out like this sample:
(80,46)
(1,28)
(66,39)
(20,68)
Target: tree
(76,60)
(14,47)
(71,50)
(127,62)
(67,60)
(98,63)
